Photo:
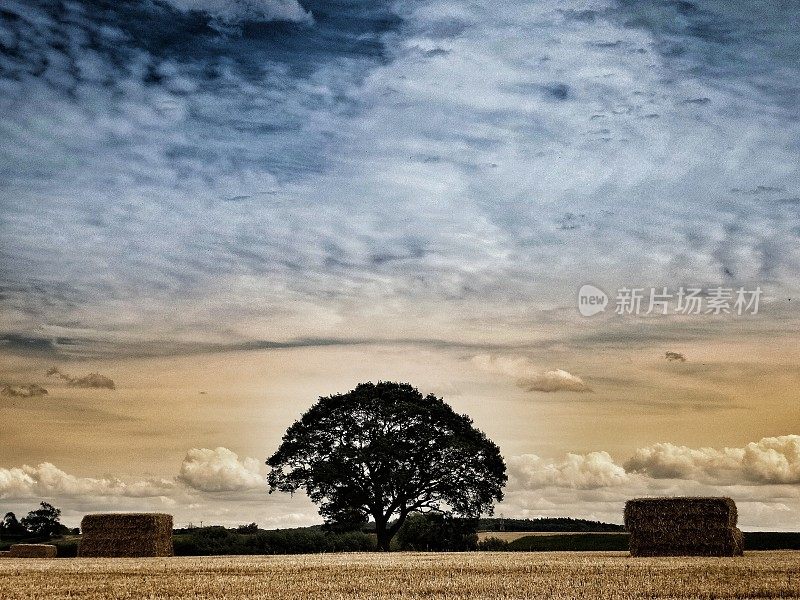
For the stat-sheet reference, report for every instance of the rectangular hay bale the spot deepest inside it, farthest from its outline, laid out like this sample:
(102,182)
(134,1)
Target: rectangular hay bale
(120,535)
(685,513)
(4,553)
(729,542)
(683,527)
(32,551)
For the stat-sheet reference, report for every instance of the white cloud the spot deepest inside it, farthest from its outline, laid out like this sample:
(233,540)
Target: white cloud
(576,471)
(235,11)
(220,470)
(513,366)
(47,480)
(772,460)
(528,376)
(21,488)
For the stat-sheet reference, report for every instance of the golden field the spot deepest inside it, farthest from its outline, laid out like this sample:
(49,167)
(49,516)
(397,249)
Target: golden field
(406,575)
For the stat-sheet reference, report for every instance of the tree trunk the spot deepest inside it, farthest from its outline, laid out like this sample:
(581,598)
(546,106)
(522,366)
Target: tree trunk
(384,537)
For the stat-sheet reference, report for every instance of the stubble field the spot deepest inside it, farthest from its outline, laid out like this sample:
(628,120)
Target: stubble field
(406,575)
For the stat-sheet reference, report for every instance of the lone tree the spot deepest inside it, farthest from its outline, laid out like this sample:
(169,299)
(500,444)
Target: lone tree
(384,451)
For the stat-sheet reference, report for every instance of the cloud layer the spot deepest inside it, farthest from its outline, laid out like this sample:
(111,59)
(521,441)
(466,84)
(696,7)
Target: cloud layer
(762,477)
(588,150)
(774,460)
(236,11)
(47,480)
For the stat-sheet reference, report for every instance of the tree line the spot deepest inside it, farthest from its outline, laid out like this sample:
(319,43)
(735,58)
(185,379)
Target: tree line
(43,522)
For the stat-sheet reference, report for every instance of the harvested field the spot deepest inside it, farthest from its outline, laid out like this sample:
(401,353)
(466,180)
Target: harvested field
(126,535)
(412,576)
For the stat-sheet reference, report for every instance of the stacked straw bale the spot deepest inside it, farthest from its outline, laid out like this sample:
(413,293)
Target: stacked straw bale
(683,527)
(126,535)
(32,551)
(4,553)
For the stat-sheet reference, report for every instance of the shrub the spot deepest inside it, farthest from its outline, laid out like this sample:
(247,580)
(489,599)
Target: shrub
(493,544)
(437,532)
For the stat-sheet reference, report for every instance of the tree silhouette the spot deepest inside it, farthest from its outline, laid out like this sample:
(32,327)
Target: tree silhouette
(44,520)
(384,451)
(10,525)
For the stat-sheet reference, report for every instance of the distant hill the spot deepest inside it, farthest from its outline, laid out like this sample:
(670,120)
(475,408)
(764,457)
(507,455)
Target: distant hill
(554,524)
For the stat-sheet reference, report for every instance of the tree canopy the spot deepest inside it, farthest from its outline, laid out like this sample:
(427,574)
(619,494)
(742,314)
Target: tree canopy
(41,522)
(44,521)
(10,525)
(384,451)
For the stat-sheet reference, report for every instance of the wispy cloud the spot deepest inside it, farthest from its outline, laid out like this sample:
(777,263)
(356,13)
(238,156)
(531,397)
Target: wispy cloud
(528,376)
(89,381)
(674,356)
(25,390)
(237,11)
(556,380)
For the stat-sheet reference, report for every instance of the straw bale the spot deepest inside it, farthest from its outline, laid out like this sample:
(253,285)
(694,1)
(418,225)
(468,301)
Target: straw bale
(126,535)
(683,527)
(666,513)
(32,551)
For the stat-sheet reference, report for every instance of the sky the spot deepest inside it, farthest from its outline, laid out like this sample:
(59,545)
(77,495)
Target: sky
(212,213)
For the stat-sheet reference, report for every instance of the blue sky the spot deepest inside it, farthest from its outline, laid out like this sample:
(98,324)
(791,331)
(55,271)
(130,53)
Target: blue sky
(396,190)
